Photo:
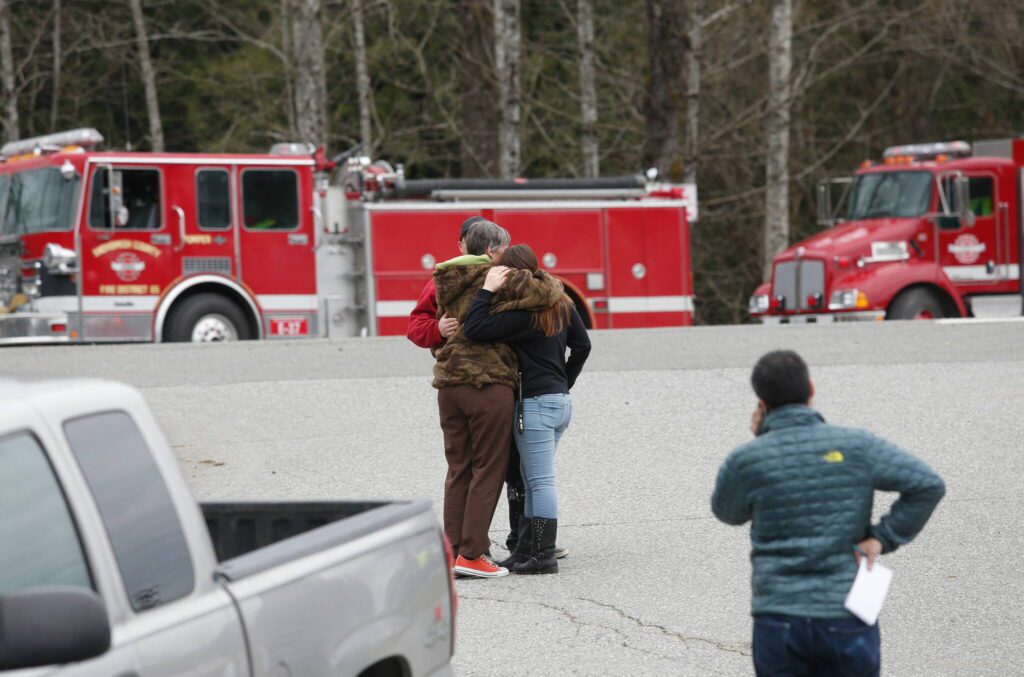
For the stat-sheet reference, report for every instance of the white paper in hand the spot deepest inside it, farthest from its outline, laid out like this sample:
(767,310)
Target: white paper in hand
(868,593)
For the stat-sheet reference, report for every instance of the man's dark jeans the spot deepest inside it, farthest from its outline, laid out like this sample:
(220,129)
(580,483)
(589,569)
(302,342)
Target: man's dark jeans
(791,646)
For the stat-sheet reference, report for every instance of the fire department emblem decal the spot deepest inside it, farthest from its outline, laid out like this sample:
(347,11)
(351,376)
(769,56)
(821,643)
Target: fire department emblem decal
(128,266)
(967,249)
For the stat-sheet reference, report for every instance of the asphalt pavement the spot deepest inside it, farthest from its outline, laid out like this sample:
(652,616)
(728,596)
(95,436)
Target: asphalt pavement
(653,584)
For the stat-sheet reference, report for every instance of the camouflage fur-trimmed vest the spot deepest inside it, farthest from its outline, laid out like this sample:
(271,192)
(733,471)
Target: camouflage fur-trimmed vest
(464,362)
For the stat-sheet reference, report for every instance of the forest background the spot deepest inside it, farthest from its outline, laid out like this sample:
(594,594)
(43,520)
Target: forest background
(755,100)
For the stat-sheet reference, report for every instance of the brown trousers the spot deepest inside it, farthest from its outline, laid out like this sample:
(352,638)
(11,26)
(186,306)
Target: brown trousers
(477,426)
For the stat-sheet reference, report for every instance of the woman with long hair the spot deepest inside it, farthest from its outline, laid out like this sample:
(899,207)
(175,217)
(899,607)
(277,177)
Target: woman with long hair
(540,339)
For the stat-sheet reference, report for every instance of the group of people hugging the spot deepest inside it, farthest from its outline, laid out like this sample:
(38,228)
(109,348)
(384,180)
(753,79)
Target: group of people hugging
(499,328)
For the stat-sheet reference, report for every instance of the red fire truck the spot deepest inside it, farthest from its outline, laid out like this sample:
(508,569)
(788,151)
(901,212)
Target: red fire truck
(932,231)
(132,246)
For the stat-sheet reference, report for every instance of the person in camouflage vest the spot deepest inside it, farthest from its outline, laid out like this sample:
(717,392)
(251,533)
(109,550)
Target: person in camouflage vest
(475,398)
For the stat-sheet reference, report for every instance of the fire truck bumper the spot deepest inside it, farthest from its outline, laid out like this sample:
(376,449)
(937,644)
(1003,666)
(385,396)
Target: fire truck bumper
(824,318)
(30,328)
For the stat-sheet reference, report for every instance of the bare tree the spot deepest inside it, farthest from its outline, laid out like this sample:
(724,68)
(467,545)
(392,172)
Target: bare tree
(780,67)
(694,19)
(310,71)
(478,147)
(661,108)
(506,57)
(10,96)
(55,102)
(156,130)
(362,78)
(288,57)
(588,87)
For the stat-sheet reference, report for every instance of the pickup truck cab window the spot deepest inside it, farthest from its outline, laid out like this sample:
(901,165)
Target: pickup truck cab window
(136,508)
(40,545)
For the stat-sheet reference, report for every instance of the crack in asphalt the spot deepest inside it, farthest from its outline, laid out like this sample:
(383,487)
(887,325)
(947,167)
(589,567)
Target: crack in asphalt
(664,630)
(624,523)
(578,623)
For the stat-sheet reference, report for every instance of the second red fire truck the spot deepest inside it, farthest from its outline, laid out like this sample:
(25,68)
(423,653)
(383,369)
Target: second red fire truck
(932,231)
(132,246)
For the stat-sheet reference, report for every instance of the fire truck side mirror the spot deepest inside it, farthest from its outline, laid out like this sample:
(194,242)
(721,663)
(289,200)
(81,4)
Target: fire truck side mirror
(961,185)
(825,219)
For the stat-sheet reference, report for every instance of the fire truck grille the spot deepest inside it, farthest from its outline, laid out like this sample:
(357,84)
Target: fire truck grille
(795,281)
(206,264)
(10,270)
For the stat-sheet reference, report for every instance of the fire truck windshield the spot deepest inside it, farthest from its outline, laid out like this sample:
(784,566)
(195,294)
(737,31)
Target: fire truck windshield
(37,201)
(889,194)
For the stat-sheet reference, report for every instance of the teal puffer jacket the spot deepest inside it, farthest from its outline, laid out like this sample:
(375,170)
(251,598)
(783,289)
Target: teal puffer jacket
(808,487)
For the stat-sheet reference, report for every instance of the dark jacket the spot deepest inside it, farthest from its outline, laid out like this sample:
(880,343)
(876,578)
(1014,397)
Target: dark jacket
(808,487)
(542,363)
(460,361)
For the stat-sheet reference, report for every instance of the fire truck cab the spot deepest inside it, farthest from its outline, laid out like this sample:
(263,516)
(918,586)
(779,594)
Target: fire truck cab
(932,231)
(136,246)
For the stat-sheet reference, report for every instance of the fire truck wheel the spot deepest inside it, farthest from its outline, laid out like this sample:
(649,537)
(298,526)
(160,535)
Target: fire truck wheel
(916,304)
(206,318)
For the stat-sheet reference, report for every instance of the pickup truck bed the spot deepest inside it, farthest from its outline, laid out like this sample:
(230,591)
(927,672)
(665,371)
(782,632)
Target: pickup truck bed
(251,537)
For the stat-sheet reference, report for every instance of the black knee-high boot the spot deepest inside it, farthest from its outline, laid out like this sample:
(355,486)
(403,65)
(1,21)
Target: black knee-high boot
(542,556)
(520,552)
(516,493)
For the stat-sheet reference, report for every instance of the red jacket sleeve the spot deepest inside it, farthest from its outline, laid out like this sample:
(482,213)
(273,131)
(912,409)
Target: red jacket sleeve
(422,329)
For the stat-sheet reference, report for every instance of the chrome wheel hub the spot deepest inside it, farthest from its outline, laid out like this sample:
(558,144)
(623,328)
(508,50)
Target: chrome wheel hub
(214,327)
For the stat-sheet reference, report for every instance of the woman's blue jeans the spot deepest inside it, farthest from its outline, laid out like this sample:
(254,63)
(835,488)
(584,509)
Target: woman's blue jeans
(545,419)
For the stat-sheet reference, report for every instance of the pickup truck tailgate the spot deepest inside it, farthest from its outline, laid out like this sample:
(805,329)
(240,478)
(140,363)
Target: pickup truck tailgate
(344,596)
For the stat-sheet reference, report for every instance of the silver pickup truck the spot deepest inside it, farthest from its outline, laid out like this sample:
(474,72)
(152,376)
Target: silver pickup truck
(108,567)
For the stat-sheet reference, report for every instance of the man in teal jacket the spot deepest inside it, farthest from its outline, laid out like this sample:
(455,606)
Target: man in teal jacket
(808,487)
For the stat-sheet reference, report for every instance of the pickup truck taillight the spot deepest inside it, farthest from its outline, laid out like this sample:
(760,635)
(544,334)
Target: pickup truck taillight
(453,598)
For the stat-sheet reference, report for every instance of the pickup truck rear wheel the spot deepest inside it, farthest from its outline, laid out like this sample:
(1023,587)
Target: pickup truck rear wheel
(206,318)
(917,304)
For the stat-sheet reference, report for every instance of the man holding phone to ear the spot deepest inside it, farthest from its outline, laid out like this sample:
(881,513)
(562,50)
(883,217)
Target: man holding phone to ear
(808,487)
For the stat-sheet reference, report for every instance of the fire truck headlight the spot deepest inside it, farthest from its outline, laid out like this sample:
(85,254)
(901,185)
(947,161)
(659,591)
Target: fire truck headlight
(848,299)
(30,287)
(59,260)
(758,304)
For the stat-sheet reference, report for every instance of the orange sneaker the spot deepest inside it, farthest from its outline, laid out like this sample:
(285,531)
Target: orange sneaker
(481,567)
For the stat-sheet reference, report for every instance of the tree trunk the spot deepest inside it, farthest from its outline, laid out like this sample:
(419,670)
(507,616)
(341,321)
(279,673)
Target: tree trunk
(286,14)
(55,103)
(691,155)
(362,79)
(479,121)
(310,72)
(156,129)
(7,68)
(588,88)
(661,108)
(506,58)
(780,66)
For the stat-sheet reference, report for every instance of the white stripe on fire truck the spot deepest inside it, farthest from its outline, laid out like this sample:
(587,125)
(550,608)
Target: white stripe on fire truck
(287,301)
(981,273)
(650,304)
(395,308)
(109,304)
(202,160)
(616,304)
